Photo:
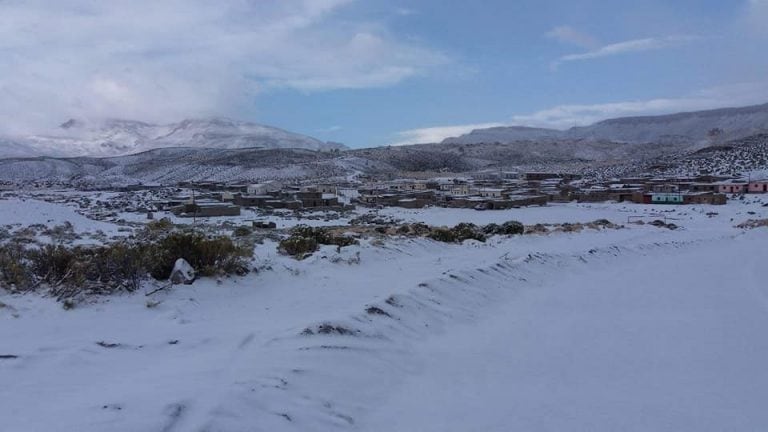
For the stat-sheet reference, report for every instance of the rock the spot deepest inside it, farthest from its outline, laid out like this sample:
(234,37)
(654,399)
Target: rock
(182,273)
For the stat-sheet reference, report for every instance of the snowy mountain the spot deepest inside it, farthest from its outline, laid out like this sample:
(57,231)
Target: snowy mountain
(504,134)
(693,128)
(121,137)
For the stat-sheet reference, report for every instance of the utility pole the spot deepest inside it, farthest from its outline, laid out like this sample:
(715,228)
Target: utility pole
(194,209)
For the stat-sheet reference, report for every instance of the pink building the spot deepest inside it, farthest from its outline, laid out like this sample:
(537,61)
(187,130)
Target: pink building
(758,186)
(732,188)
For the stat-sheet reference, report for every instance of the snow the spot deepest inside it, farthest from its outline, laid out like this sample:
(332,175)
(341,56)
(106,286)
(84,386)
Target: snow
(670,343)
(122,137)
(640,328)
(24,211)
(619,213)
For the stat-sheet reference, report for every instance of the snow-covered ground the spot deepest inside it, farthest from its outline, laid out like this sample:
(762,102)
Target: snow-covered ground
(634,329)
(25,212)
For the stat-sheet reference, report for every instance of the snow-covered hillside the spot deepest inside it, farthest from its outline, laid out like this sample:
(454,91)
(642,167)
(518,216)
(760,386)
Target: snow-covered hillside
(121,137)
(691,128)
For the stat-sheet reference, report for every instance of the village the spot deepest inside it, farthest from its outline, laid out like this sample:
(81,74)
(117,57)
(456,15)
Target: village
(494,190)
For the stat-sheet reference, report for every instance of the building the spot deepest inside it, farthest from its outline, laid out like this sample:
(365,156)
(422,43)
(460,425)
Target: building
(263,188)
(316,199)
(252,200)
(758,186)
(733,187)
(704,198)
(206,210)
(490,192)
(667,198)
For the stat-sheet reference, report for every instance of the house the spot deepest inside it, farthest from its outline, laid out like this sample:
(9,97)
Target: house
(665,188)
(263,188)
(666,198)
(315,199)
(206,210)
(459,189)
(703,187)
(490,192)
(733,187)
(252,200)
(758,186)
(538,176)
(326,188)
(705,198)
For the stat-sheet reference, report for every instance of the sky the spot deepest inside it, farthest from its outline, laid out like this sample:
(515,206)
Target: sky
(377,72)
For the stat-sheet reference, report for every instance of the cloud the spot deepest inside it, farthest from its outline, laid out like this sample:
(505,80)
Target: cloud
(330,129)
(404,11)
(163,60)
(630,46)
(569,35)
(436,134)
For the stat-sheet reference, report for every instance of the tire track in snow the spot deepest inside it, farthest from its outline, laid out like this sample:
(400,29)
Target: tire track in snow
(334,371)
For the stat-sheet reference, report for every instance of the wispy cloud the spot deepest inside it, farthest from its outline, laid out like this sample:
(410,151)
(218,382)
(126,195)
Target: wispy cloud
(161,60)
(629,46)
(404,11)
(571,36)
(436,134)
(330,129)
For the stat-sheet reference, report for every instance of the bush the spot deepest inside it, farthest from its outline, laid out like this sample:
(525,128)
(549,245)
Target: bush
(513,228)
(14,273)
(419,228)
(208,256)
(457,234)
(507,228)
(242,231)
(305,239)
(162,225)
(120,265)
(298,246)
(466,231)
(67,272)
(444,235)
(57,264)
(492,229)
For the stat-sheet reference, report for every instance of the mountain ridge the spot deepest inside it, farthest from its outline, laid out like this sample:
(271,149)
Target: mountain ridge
(690,127)
(118,137)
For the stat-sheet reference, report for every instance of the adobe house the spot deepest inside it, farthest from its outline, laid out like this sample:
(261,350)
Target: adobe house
(665,188)
(490,192)
(732,187)
(666,198)
(538,176)
(206,210)
(703,187)
(705,198)
(326,188)
(314,199)
(252,200)
(527,200)
(758,186)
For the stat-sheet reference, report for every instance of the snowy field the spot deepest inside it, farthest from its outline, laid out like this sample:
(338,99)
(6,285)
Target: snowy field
(634,329)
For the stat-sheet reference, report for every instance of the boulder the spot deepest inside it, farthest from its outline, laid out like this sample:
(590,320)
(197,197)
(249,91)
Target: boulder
(182,273)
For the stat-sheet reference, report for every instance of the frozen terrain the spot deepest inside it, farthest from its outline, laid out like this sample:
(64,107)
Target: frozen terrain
(634,329)
(113,137)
